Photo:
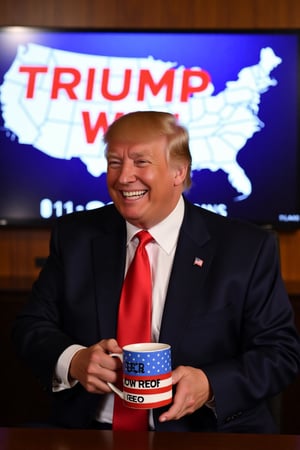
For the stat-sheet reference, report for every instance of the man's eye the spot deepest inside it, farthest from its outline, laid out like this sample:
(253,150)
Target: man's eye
(141,162)
(114,163)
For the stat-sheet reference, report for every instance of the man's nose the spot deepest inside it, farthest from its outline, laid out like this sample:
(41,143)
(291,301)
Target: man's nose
(127,173)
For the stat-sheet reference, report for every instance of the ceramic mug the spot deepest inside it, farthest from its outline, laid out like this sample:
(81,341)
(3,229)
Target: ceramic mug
(147,375)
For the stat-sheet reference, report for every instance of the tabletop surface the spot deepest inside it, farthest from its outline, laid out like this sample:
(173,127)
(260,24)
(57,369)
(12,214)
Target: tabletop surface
(58,439)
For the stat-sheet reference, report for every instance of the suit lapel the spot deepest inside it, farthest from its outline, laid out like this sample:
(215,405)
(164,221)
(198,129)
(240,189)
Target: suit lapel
(187,278)
(109,254)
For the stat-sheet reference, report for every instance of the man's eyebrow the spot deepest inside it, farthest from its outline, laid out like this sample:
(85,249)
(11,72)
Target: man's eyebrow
(138,154)
(134,154)
(112,155)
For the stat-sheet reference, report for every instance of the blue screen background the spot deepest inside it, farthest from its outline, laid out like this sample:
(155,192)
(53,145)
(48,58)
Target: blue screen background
(269,158)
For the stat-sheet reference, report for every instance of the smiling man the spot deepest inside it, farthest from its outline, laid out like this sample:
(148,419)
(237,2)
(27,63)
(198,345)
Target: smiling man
(146,171)
(217,296)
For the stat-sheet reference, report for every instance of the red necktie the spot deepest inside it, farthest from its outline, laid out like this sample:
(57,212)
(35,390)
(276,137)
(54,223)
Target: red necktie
(134,325)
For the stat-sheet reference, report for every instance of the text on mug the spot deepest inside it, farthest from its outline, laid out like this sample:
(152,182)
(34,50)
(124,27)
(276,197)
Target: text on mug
(135,367)
(134,398)
(146,384)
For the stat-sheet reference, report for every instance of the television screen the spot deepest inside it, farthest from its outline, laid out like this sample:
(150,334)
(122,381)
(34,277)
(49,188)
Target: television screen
(236,92)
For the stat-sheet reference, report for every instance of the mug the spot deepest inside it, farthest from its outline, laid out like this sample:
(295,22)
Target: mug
(147,375)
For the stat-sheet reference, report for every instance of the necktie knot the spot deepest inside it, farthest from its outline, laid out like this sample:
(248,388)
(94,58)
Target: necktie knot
(144,238)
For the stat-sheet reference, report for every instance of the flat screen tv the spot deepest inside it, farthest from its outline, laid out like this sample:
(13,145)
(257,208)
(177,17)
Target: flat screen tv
(237,93)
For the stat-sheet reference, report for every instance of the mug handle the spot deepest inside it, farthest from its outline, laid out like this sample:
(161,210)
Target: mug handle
(111,385)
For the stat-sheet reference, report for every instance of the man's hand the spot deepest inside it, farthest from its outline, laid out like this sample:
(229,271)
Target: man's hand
(192,391)
(93,366)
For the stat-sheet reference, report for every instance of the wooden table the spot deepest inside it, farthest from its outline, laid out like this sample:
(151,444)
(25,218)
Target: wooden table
(58,439)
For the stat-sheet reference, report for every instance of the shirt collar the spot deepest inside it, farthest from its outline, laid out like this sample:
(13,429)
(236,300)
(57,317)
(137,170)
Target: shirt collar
(166,232)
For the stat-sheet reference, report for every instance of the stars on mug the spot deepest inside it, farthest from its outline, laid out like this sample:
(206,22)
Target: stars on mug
(155,363)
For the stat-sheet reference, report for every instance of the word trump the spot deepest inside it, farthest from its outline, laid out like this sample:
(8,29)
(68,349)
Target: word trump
(68,79)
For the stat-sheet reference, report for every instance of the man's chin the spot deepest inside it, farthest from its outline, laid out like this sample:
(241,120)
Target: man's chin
(130,213)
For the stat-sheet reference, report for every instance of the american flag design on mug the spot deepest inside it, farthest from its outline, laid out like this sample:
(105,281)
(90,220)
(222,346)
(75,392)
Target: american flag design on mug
(147,375)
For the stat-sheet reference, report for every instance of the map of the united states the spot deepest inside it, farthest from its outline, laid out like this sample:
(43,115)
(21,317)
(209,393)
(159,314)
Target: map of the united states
(53,100)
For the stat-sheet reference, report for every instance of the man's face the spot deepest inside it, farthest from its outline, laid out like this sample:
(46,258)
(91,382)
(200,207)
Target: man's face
(143,185)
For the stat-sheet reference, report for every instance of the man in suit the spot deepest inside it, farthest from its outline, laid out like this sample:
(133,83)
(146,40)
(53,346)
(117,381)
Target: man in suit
(218,297)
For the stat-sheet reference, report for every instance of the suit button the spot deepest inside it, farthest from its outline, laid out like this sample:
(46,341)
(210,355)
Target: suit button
(233,417)
(228,419)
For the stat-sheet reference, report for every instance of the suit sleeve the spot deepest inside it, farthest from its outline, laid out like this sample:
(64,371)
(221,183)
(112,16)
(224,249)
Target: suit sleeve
(269,349)
(37,331)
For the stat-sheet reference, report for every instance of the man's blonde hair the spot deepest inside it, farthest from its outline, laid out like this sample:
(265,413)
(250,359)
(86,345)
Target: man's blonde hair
(141,126)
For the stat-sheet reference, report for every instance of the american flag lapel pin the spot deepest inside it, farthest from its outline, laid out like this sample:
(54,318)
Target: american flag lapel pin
(198,262)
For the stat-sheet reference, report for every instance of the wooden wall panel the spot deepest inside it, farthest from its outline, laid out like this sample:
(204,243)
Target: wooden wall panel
(19,248)
(290,259)
(152,14)
(19,251)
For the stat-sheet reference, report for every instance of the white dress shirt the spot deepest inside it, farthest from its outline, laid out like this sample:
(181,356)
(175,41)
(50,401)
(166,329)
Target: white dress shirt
(161,254)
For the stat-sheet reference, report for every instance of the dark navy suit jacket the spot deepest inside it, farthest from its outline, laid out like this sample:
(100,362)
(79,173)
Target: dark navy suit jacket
(231,317)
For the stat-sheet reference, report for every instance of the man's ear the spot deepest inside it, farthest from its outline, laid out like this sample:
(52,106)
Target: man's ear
(180,173)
